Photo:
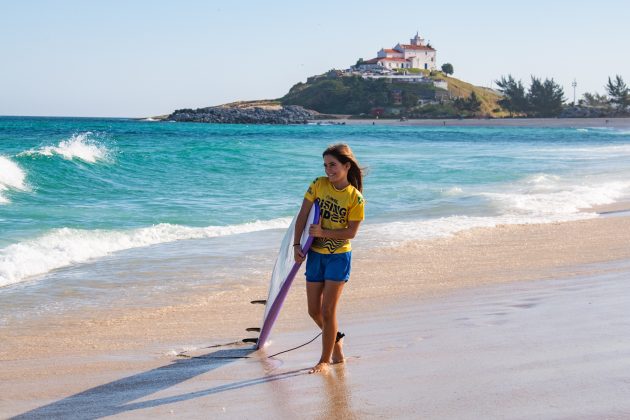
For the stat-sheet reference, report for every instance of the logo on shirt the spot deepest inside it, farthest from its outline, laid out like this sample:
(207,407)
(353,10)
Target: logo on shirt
(331,210)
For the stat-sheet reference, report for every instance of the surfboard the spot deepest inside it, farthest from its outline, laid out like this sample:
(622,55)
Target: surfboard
(284,271)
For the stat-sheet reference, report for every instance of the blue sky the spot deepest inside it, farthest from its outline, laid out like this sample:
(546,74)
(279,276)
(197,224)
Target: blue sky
(140,58)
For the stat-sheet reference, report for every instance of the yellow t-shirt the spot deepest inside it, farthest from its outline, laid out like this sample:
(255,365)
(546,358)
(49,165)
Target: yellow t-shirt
(337,208)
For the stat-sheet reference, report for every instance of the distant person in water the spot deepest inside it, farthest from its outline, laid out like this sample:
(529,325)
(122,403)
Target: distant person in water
(328,263)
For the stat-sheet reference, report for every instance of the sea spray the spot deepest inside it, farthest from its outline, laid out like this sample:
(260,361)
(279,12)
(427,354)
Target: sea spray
(11,177)
(80,146)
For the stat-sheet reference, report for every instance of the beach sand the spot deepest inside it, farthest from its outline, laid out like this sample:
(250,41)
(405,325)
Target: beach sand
(519,321)
(616,123)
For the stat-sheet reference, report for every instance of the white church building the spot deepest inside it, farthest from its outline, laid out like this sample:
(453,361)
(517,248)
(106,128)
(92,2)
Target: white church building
(415,55)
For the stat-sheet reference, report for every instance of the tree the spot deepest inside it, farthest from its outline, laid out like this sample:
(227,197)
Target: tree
(359,62)
(447,68)
(471,104)
(594,100)
(618,92)
(545,98)
(409,99)
(474,104)
(514,100)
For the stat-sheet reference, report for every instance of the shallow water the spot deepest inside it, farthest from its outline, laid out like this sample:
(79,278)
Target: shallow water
(99,212)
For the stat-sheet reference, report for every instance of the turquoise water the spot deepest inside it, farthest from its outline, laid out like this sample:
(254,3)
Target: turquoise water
(75,192)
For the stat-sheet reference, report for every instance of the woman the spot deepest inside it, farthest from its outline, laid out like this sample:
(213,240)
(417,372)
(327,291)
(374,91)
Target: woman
(328,265)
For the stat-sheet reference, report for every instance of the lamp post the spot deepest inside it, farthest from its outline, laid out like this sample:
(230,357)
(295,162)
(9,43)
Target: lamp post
(574,84)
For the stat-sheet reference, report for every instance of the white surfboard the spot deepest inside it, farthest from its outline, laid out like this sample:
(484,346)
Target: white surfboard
(284,272)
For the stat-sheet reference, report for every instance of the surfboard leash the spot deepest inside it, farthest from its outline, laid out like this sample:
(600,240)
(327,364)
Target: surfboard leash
(235,343)
(295,348)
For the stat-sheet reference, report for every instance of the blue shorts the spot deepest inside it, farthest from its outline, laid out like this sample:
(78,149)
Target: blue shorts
(320,267)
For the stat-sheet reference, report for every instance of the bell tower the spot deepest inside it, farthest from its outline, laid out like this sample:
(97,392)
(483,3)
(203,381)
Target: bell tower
(417,40)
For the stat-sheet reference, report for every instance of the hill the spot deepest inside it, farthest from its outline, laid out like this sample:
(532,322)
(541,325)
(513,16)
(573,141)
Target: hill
(350,94)
(338,93)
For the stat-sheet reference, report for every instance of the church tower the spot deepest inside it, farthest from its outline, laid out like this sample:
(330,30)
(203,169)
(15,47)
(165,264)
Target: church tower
(417,41)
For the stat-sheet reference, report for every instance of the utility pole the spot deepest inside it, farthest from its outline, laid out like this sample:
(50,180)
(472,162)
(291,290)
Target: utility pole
(574,84)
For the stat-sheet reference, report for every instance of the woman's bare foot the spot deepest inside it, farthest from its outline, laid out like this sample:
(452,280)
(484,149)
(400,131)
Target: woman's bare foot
(320,367)
(337,355)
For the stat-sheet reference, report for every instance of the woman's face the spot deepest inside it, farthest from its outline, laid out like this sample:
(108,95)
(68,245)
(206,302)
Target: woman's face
(336,171)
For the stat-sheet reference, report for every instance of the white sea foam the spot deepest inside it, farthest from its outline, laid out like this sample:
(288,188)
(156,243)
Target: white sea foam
(538,198)
(453,191)
(65,247)
(607,130)
(396,232)
(542,179)
(615,150)
(554,198)
(11,177)
(80,146)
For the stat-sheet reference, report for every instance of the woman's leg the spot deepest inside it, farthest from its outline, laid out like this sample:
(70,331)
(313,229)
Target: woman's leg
(314,292)
(329,299)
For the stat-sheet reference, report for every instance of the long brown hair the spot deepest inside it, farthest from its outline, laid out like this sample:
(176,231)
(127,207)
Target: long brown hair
(343,154)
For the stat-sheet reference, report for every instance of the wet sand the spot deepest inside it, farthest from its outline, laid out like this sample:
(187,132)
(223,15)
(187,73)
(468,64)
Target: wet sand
(508,322)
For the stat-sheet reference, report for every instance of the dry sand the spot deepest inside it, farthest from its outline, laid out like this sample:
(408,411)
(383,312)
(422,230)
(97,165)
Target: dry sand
(525,321)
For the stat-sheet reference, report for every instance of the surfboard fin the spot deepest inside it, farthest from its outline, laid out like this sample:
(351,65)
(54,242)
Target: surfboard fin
(250,340)
(252,329)
(259,301)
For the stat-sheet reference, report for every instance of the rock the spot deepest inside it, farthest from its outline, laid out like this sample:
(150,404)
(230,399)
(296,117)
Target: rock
(585,112)
(289,114)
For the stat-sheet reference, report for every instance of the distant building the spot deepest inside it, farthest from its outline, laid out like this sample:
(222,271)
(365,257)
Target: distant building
(408,78)
(415,55)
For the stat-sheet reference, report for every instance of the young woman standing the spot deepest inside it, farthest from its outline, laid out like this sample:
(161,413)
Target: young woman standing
(328,264)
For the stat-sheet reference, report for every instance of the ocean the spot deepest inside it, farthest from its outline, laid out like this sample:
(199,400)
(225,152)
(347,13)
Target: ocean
(115,213)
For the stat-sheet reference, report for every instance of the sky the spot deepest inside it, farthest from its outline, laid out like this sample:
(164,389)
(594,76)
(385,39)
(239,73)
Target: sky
(145,58)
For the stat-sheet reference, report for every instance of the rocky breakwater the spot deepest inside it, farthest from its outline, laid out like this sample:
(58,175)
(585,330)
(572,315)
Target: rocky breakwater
(245,113)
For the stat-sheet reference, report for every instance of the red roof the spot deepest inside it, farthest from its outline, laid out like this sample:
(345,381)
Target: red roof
(416,47)
(372,61)
(392,51)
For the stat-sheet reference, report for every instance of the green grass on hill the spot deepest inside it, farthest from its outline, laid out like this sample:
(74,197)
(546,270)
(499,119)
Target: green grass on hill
(355,96)
(488,97)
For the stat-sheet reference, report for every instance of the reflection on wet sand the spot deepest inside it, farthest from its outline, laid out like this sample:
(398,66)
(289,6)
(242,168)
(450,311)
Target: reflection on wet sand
(338,398)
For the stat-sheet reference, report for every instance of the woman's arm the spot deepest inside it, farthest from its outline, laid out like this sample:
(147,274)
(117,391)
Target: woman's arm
(300,223)
(346,233)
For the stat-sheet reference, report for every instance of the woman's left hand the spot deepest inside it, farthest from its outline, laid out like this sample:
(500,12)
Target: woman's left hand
(316,231)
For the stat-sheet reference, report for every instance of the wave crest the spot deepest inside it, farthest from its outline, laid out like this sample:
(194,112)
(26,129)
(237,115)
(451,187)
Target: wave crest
(64,247)
(80,146)
(11,177)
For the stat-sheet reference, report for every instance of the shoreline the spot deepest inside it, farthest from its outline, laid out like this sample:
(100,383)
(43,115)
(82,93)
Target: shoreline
(53,358)
(613,122)
(617,123)
(441,265)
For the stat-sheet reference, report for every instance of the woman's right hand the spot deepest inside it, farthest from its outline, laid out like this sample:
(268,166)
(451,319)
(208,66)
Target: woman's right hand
(298,256)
